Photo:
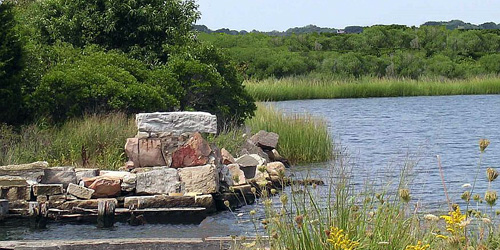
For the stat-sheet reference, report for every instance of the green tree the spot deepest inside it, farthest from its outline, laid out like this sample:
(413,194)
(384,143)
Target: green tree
(11,65)
(98,82)
(147,29)
(208,81)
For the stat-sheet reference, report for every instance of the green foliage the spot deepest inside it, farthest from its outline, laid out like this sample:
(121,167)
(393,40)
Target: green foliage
(11,64)
(99,82)
(148,29)
(208,81)
(381,51)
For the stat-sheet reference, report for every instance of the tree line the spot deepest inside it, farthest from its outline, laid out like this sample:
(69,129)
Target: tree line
(378,51)
(62,59)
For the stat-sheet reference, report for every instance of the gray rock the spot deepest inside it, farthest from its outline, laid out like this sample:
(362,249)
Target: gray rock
(249,148)
(251,160)
(264,139)
(176,123)
(47,189)
(60,175)
(31,171)
(80,192)
(201,179)
(275,168)
(89,204)
(160,180)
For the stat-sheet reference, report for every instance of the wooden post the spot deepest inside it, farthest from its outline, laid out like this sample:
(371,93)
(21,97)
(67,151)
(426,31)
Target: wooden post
(105,213)
(4,208)
(38,214)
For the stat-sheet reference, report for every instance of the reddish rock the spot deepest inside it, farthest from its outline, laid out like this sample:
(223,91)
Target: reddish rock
(105,186)
(132,151)
(195,152)
(150,154)
(227,158)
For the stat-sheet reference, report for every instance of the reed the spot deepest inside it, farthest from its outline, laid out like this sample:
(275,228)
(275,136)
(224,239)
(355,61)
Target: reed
(303,138)
(311,87)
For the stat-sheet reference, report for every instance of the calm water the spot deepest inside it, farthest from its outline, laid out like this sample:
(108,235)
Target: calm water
(380,134)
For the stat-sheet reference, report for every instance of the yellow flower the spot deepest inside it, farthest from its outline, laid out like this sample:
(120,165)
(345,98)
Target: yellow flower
(455,220)
(340,241)
(418,246)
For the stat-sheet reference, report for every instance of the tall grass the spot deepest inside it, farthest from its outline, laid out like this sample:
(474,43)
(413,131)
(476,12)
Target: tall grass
(93,141)
(303,138)
(309,87)
(346,216)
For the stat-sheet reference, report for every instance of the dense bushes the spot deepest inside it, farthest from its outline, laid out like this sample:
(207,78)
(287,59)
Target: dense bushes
(114,56)
(10,66)
(380,51)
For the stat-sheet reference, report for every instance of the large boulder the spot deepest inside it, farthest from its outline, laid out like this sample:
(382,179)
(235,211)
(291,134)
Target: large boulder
(160,180)
(106,187)
(176,123)
(195,152)
(32,171)
(201,179)
(59,175)
(145,152)
(132,151)
(265,140)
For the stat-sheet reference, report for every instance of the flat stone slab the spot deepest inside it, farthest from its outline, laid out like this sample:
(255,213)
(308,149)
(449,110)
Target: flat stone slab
(31,171)
(80,192)
(12,181)
(47,189)
(176,123)
(58,175)
(159,201)
(89,204)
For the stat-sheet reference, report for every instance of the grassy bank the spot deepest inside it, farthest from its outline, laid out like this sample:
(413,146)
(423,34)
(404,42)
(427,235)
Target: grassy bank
(303,138)
(98,140)
(95,141)
(308,87)
(343,216)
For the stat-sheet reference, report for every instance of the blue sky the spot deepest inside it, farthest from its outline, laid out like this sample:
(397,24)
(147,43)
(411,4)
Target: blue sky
(267,15)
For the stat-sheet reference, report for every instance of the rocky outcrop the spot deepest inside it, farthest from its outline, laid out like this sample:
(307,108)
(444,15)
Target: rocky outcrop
(176,123)
(195,152)
(201,179)
(160,180)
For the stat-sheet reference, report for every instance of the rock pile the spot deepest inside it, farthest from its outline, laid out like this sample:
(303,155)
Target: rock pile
(170,165)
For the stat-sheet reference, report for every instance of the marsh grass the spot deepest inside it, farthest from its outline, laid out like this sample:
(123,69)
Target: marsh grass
(346,216)
(93,141)
(303,138)
(310,87)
